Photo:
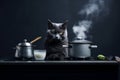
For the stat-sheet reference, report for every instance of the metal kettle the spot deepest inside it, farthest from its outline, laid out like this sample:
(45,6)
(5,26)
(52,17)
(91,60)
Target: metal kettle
(24,51)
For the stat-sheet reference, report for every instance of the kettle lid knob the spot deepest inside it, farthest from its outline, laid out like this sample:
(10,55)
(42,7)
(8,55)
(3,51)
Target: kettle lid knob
(25,40)
(25,43)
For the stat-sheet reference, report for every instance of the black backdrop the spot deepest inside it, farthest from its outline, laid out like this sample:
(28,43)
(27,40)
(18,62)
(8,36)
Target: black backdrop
(20,19)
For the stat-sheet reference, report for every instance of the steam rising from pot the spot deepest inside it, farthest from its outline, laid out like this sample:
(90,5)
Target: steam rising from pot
(91,11)
(82,28)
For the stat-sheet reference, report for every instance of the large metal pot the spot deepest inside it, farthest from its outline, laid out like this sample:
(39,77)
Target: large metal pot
(81,48)
(24,51)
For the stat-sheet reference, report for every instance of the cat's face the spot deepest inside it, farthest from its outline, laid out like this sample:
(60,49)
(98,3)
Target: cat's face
(56,30)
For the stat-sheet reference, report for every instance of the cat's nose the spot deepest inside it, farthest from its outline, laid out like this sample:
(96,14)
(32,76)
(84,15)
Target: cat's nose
(57,36)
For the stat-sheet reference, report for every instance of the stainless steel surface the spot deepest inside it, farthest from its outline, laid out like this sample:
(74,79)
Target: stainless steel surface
(24,50)
(81,48)
(25,43)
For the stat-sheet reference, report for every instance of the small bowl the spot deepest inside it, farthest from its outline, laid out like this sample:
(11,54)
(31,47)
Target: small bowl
(39,54)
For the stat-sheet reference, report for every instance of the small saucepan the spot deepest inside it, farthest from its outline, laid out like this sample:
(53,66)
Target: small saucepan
(24,50)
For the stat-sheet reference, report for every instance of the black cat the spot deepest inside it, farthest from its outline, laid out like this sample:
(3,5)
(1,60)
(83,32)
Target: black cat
(57,38)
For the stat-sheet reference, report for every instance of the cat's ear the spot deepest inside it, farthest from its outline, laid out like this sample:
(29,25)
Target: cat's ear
(50,25)
(64,25)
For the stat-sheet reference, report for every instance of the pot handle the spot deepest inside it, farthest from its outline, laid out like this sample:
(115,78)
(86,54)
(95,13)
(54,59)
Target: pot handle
(93,46)
(67,46)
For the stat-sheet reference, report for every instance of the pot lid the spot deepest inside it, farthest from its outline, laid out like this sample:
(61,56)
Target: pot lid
(25,43)
(81,42)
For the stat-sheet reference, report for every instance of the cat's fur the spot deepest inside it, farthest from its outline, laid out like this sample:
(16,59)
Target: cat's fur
(56,38)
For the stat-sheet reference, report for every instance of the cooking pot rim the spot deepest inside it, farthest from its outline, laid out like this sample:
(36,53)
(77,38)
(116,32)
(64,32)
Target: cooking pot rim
(80,42)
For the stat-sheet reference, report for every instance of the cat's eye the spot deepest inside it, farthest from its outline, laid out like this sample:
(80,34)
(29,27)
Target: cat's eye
(53,30)
(61,33)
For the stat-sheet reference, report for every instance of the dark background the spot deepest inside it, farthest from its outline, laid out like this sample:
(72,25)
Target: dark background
(27,19)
